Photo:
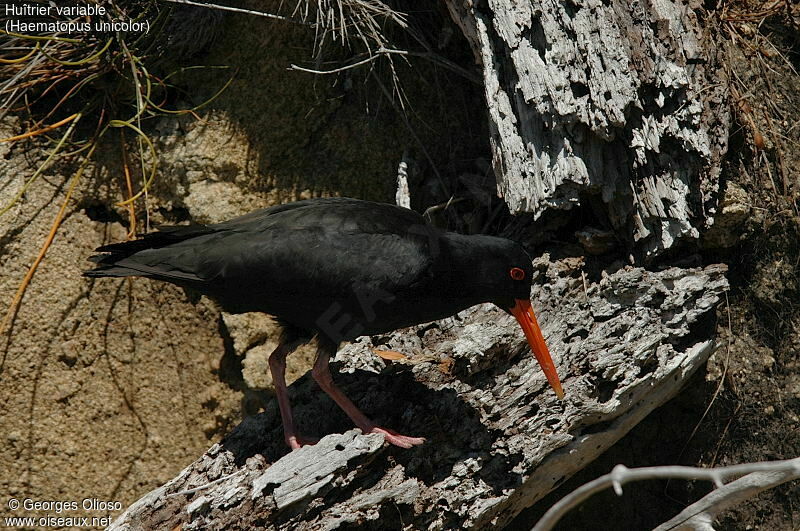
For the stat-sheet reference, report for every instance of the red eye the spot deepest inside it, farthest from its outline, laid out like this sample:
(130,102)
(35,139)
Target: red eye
(517,273)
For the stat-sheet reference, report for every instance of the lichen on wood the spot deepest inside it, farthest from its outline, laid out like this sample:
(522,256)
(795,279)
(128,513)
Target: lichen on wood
(617,100)
(498,438)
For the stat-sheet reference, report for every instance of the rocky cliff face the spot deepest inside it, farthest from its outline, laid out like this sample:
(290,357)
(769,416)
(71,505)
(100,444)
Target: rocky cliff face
(108,388)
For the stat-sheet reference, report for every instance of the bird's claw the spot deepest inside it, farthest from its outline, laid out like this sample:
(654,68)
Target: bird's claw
(296,442)
(392,437)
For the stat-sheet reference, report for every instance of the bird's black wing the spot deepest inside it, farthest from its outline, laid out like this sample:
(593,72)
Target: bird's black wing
(324,249)
(288,255)
(345,214)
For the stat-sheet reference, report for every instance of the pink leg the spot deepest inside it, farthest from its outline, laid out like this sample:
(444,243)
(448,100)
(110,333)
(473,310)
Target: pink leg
(277,366)
(322,375)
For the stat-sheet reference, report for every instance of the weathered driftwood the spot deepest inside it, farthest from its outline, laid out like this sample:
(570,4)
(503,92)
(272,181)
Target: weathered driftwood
(613,99)
(498,438)
(699,515)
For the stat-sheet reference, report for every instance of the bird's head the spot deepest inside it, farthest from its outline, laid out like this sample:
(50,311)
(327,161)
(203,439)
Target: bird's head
(505,272)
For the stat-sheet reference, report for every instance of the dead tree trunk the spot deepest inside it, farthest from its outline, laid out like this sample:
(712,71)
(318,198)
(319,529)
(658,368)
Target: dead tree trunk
(605,99)
(587,100)
(498,439)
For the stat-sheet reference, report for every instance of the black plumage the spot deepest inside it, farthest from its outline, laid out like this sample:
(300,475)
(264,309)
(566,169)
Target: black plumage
(334,269)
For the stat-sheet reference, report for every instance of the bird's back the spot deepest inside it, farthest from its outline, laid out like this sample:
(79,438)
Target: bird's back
(355,265)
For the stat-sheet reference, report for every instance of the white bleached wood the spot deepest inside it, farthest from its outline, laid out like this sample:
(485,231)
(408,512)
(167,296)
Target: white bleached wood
(698,516)
(702,513)
(402,196)
(498,438)
(608,98)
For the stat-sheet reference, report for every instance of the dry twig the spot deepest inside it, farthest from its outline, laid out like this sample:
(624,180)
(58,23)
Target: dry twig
(761,476)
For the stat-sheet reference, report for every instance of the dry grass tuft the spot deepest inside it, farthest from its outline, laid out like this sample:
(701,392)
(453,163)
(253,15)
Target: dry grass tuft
(81,86)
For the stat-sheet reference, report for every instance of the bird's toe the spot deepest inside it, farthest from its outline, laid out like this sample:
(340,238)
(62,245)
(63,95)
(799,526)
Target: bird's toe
(296,442)
(392,437)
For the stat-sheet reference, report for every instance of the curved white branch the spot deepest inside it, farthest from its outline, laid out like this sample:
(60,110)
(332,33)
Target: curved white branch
(700,515)
(729,494)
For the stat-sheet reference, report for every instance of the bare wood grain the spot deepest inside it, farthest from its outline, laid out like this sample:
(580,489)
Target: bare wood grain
(617,100)
(498,439)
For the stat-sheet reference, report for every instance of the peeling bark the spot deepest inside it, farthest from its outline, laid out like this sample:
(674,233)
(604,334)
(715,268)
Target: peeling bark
(612,99)
(498,439)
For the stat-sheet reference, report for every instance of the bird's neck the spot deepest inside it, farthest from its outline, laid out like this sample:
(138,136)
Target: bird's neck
(460,266)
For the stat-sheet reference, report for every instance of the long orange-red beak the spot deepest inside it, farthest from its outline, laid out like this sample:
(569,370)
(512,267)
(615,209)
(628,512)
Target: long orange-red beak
(527,320)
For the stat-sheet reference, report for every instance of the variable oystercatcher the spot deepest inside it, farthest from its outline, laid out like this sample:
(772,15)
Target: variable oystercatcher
(335,269)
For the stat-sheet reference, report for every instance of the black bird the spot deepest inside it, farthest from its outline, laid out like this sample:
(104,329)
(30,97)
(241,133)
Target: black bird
(335,269)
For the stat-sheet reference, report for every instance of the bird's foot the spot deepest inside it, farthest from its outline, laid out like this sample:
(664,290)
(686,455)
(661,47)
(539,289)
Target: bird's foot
(391,436)
(298,441)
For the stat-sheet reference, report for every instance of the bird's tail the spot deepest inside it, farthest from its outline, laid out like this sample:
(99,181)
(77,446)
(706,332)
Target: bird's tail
(111,270)
(108,263)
